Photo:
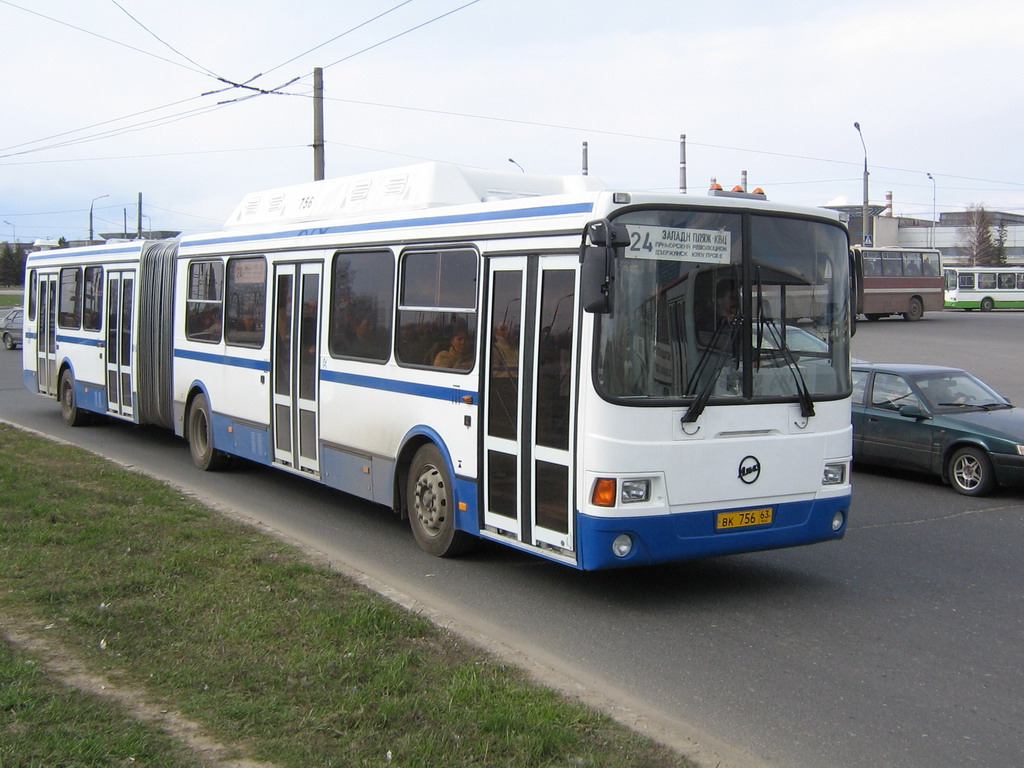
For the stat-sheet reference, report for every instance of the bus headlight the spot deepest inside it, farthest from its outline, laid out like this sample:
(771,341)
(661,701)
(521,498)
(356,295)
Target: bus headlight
(622,545)
(635,490)
(834,474)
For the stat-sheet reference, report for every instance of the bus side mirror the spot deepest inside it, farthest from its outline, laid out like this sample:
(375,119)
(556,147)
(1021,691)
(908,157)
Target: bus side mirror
(595,281)
(598,265)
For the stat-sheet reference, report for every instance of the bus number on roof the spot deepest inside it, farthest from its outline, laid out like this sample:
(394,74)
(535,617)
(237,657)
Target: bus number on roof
(705,246)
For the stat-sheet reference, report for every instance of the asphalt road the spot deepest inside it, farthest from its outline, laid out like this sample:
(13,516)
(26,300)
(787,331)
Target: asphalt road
(902,645)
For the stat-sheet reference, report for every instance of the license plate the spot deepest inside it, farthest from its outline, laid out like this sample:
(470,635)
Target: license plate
(728,521)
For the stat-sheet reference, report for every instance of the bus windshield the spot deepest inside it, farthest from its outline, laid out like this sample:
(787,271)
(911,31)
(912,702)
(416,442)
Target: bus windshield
(726,307)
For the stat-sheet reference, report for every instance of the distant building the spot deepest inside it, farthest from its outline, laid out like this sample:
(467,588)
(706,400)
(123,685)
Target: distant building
(946,234)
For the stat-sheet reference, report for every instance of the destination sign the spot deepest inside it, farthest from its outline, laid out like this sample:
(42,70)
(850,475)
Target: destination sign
(705,246)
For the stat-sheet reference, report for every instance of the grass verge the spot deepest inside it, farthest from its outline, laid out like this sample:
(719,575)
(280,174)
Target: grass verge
(287,660)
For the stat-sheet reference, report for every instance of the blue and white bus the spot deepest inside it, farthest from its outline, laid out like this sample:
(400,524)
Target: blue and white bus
(531,360)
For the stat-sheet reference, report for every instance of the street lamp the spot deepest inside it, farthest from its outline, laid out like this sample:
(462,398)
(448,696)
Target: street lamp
(517,165)
(864,239)
(90,214)
(14,232)
(934,218)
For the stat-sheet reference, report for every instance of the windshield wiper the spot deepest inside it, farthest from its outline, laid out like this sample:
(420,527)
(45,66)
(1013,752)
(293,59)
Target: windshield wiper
(802,392)
(715,350)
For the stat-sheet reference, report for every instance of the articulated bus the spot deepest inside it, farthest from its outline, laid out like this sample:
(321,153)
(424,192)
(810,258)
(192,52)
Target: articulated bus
(531,360)
(985,288)
(899,281)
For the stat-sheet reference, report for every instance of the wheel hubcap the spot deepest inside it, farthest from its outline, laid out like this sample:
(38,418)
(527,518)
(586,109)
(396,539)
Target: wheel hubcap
(430,501)
(968,473)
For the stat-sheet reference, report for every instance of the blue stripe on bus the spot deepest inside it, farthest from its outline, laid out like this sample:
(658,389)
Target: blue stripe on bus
(426,221)
(237,362)
(62,253)
(78,340)
(448,394)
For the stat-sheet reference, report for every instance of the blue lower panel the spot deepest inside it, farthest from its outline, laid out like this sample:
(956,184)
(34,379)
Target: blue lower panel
(672,538)
(91,397)
(245,440)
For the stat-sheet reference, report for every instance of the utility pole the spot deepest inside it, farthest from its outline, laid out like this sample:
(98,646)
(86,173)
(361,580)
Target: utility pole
(865,228)
(318,124)
(682,163)
(139,223)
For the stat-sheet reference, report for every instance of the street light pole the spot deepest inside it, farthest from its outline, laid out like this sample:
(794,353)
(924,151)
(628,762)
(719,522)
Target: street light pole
(934,218)
(90,215)
(864,240)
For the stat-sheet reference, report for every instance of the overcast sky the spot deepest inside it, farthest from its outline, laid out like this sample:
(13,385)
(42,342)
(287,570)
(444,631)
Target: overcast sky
(113,99)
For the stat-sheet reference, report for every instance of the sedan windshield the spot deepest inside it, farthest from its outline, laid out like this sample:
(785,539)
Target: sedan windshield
(952,391)
(725,307)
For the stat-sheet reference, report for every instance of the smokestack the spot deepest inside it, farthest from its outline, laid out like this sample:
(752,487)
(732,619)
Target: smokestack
(888,204)
(743,180)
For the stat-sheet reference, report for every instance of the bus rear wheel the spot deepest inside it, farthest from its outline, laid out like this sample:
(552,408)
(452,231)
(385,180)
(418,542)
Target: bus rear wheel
(915,310)
(73,415)
(430,499)
(200,437)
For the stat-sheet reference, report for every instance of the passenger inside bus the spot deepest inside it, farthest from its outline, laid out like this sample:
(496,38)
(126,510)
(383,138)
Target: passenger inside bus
(459,355)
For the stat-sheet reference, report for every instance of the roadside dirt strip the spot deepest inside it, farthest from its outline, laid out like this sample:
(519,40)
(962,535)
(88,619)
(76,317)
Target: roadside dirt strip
(61,665)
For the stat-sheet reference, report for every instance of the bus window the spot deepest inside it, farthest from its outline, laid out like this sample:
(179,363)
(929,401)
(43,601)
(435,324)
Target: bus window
(1007,281)
(362,295)
(892,265)
(246,302)
(931,265)
(966,280)
(92,316)
(205,298)
(33,284)
(986,281)
(437,309)
(70,313)
(912,264)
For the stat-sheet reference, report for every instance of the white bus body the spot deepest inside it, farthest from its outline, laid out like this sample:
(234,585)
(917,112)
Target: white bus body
(319,333)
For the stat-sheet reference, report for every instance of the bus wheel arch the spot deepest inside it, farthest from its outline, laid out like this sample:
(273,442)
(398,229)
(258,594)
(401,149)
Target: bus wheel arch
(915,309)
(429,502)
(73,415)
(198,432)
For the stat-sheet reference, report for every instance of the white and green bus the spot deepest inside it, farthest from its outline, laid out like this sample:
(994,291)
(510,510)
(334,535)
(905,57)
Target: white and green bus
(984,288)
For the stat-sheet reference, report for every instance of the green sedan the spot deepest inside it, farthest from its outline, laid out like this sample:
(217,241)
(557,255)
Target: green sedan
(938,420)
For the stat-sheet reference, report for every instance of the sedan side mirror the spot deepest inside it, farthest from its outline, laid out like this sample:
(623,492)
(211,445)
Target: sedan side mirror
(913,412)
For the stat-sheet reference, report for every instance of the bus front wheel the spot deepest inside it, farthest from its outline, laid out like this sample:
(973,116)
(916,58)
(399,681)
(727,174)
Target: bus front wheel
(430,497)
(200,437)
(73,415)
(987,305)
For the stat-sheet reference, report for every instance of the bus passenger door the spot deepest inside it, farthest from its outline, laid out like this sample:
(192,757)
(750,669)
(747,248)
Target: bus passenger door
(530,389)
(46,335)
(296,368)
(118,344)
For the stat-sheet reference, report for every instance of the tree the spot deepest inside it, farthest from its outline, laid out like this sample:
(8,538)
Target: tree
(12,265)
(977,242)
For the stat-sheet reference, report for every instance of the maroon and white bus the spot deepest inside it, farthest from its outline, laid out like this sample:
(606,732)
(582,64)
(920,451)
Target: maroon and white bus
(899,281)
